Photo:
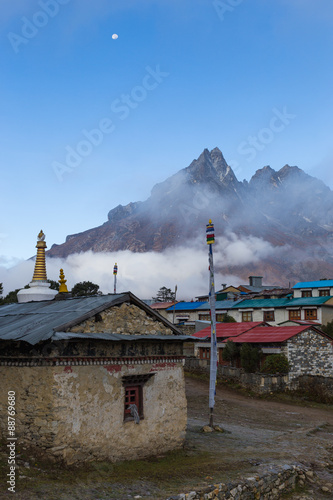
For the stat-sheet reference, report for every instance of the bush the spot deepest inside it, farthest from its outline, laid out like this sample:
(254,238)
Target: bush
(250,357)
(230,351)
(275,363)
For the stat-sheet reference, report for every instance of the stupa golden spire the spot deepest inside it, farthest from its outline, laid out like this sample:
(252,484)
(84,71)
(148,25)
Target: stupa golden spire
(62,281)
(40,267)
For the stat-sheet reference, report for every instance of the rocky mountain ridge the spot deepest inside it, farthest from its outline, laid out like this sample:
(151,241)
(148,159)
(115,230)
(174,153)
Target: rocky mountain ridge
(289,209)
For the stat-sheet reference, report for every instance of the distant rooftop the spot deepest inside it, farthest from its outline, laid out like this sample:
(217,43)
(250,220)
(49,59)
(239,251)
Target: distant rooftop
(314,284)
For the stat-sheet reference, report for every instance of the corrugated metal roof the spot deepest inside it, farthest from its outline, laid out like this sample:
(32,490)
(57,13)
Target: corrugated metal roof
(314,284)
(285,302)
(269,335)
(117,336)
(34,322)
(186,306)
(228,329)
(309,301)
(220,304)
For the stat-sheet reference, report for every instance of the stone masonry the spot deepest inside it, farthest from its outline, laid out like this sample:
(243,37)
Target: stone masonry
(126,319)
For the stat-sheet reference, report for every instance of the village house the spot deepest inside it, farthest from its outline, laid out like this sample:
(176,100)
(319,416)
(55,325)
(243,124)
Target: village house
(320,288)
(96,377)
(223,331)
(309,351)
(276,311)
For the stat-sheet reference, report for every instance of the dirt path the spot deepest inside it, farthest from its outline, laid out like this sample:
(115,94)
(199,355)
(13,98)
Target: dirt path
(260,434)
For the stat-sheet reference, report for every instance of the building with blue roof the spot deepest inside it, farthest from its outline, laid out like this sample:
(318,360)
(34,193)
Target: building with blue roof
(319,288)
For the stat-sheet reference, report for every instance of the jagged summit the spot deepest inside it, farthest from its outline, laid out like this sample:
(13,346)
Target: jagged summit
(286,208)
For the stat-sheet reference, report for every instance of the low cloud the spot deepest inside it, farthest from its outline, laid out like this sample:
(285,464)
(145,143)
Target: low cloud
(144,273)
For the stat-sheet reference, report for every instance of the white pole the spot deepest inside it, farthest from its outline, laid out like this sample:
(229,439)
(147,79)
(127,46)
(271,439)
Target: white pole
(213,343)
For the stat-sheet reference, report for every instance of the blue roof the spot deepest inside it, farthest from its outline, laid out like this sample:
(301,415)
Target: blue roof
(220,304)
(284,302)
(186,306)
(314,284)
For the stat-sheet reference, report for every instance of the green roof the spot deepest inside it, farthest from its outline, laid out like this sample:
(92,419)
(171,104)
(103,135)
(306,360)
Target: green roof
(285,302)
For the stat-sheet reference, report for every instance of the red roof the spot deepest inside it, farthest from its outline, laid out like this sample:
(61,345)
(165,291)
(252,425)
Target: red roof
(224,330)
(162,305)
(269,334)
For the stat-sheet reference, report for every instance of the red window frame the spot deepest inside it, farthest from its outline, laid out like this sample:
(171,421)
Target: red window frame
(133,395)
(306,293)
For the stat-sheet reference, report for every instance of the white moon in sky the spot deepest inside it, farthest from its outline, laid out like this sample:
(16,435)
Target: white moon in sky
(114,36)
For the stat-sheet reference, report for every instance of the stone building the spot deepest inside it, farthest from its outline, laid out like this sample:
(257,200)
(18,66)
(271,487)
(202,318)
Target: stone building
(78,365)
(97,377)
(309,351)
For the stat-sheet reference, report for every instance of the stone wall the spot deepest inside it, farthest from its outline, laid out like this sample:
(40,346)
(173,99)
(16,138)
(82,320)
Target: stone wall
(126,319)
(72,407)
(309,354)
(258,382)
(269,486)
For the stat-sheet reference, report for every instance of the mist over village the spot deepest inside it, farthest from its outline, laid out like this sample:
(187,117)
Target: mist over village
(166,258)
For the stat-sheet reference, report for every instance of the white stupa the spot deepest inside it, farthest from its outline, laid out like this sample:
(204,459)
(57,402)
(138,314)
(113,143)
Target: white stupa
(39,288)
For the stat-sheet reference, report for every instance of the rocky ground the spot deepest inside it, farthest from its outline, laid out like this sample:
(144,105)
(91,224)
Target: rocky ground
(259,434)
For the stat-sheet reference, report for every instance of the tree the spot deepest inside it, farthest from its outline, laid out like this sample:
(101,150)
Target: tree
(250,357)
(230,352)
(54,285)
(84,289)
(1,290)
(275,363)
(328,328)
(164,295)
(10,298)
(228,319)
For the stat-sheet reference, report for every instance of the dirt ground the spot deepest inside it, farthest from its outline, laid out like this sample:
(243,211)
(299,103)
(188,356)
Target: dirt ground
(259,434)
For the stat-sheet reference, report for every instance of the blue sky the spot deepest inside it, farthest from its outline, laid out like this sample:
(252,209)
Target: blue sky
(252,77)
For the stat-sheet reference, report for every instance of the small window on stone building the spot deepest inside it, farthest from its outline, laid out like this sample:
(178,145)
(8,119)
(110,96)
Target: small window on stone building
(310,314)
(324,293)
(306,293)
(204,352)
(269,316)
(247,316)
(133,403)
(295,314)
(133,396)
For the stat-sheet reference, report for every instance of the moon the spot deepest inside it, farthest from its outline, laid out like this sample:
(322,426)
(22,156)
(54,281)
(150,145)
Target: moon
(114,36)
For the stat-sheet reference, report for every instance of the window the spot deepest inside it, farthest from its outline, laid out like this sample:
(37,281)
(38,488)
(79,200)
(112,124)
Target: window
(310,314)
(204,352)
(220,317)
(134,394)
(324,293)
(247,316)
(204,317)
(306,293)
(295,314)
(269,316)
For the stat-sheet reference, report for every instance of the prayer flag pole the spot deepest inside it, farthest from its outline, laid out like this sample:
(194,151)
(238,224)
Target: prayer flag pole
(213,344)
(115,270)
